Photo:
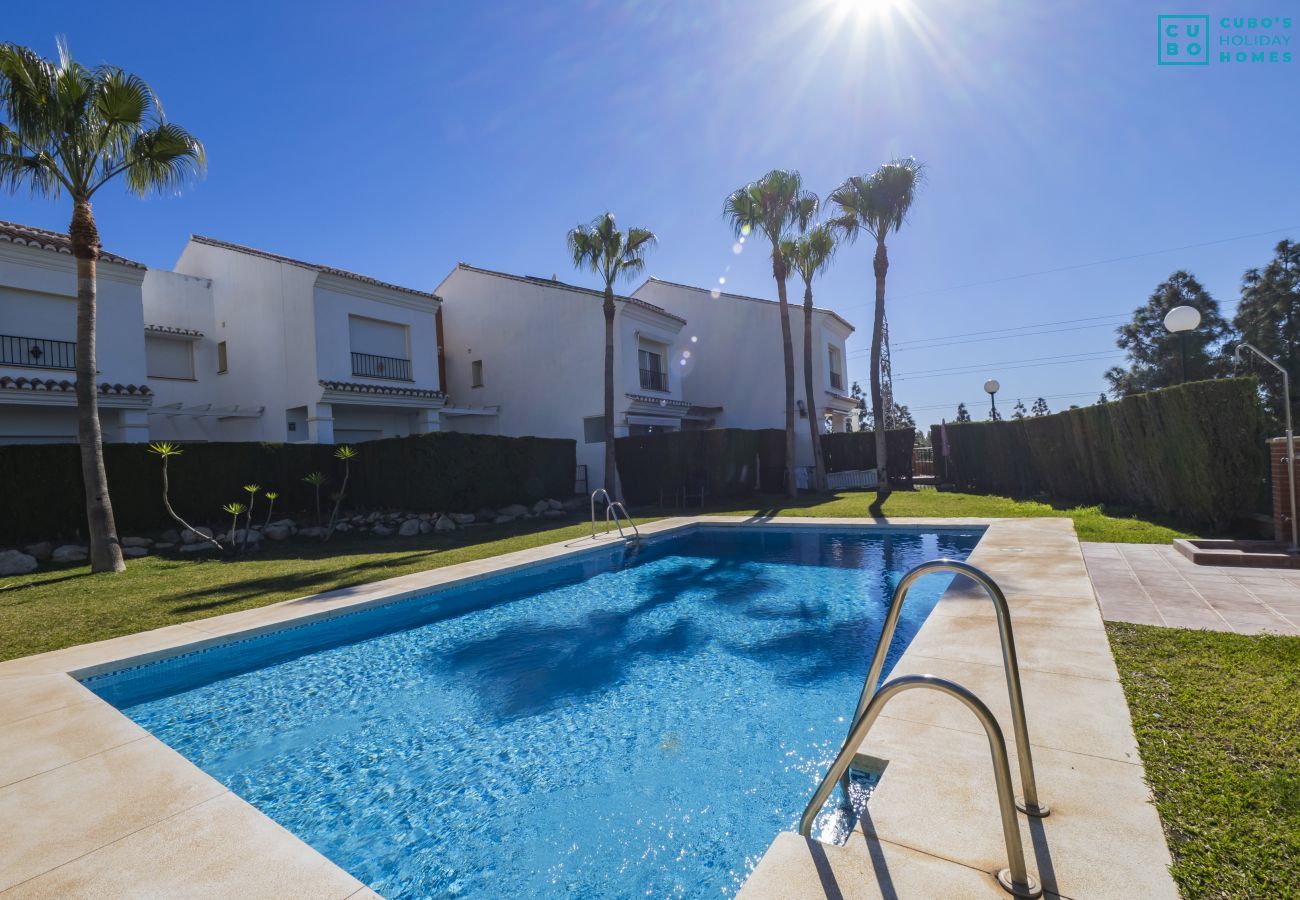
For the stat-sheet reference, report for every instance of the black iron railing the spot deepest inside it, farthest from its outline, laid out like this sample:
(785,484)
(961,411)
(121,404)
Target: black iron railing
(654,380)
(837,381)
(38,353)
(369,365)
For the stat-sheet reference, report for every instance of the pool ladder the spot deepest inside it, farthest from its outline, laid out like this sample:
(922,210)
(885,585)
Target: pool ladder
(613,508)
(1015,878)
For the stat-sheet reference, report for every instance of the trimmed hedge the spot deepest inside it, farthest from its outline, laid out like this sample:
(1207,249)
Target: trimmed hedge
(857,450)
(722,458)
(435,472)
(1193,452)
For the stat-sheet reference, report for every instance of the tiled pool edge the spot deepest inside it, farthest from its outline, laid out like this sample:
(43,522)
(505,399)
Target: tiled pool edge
(63,727)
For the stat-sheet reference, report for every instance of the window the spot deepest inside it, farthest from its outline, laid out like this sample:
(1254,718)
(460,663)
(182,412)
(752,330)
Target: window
(593,430)
(379,349)
(168,358)
(476,373)
(837,373)
(221,357)
(654,376)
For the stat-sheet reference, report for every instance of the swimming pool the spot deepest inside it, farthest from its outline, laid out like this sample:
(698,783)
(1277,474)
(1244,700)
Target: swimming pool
(632,721)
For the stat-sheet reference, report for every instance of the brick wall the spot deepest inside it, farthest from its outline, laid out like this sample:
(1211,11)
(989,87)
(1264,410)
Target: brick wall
(1281,503)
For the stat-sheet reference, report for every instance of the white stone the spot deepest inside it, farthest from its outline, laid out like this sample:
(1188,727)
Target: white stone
(311,531)
(514,509)
(41,550)
(171,536)
(196,548)
(135,552)
(462,518)
(342,527)
(381,530)
(444,523)
(164,545)
(555,504)
(554,513)
(541,506)
(285,523)
(410,528)
(136,542)
(276,532)
(426,528)
(501,520)
(190,537)
(15,562)
(69,553)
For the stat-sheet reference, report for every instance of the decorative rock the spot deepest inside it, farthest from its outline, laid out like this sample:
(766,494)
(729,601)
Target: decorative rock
(164,545)
(41,551)
(69,553)
(501,520)
(410,528)
(15,562)
(311,531)
(252,536)
(285,523)
(554,513)
(196,548)
(575,503)
(425,517)
(541,506)
(426,528)
(444,523)
(381,531)
(136,542)
(555,504)
(342,527)
(514,509)
(463,518)
(276,532)
(135,552)
(485,515)
(171,536)
(190,537)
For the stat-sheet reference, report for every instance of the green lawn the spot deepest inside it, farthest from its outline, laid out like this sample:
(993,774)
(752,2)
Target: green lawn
(1217,718)
(61,607)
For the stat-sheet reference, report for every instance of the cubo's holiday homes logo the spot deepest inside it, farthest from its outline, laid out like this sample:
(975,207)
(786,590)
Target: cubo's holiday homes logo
(1236,40)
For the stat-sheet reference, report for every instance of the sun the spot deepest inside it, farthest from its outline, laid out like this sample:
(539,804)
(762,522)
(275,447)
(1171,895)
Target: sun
(866,10)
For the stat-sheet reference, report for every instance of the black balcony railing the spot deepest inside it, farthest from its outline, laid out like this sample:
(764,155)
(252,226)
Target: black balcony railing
(368,365)
(654,380)
(837,381)
(38,353)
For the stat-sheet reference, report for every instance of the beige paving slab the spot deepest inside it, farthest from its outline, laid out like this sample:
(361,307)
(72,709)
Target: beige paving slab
(60,736)
(220,848)
(1040,646)
(1084,715)
(1103,838)
(27,695)
(875,870)
(117,651)
(55,817)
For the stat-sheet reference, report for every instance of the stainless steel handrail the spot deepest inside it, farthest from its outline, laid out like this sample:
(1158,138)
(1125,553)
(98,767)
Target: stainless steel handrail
(1030,803)
(1015,878)
(613,507)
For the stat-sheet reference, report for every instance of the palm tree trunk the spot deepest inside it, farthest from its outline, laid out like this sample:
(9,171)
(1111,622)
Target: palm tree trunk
(609,390)
(881,266)
(787,351)
(814,421)
(105,551)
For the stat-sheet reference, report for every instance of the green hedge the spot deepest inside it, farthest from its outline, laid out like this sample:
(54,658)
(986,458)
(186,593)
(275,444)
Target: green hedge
(1194,452)
(857,450)
(435,472)
(723,458)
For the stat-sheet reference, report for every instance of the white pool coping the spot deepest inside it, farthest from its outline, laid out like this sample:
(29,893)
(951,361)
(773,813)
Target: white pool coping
(93,805)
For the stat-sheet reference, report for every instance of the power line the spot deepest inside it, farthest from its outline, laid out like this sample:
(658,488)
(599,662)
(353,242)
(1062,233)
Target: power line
(1007,362)
(971,370)
(1084,265)
(966,334)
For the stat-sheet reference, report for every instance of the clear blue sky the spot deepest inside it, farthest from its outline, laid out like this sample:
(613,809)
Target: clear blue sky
(397,138)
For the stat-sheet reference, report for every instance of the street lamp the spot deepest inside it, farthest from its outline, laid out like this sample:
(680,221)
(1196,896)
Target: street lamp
(991,388)
(1290,438)
(1179,321)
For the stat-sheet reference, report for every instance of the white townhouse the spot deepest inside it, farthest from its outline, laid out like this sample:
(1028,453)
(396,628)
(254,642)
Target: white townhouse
(525,356)
(38,333)
(246,345)
(735,344)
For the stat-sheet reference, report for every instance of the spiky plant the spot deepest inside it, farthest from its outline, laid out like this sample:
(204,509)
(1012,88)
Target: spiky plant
(346,454)
(271,497)
(65,128)
(317,480)
(166,450)
(235,510)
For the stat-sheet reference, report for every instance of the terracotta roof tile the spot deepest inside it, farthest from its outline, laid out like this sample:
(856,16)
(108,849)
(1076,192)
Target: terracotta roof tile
(691,287)
(356,387)
(53,241)
(9,383)
(317,267)
(564,286)
(173,329)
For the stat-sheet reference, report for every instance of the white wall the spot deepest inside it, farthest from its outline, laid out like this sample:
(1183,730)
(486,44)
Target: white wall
(736,356)
(543,348)
(185,301)
(336,301)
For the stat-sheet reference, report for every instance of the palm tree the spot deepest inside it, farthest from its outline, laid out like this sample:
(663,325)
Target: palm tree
(612,254)
(774,205)
(878,204)
(66,128)
(809,255)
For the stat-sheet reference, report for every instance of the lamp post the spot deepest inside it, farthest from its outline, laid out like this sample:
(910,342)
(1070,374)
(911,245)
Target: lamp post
(1179,321)
(991,388)
(1290,438)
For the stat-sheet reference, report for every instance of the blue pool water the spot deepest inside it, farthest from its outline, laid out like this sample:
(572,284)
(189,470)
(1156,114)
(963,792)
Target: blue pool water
(636,722)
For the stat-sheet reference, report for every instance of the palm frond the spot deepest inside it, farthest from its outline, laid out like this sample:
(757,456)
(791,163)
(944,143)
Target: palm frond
(163,159)
(603,248)
(877,203)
